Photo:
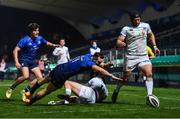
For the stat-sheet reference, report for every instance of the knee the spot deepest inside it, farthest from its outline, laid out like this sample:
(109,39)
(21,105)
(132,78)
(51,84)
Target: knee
(66,83)
(148,74)
(25,76)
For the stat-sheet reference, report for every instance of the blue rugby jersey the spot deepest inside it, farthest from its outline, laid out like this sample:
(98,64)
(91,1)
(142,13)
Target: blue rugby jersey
(29,47)
(74,66)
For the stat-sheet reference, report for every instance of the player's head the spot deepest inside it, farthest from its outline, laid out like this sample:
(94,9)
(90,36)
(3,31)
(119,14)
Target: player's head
(135,18)
(94,43)
(62,41)
(98,58)
(33,29)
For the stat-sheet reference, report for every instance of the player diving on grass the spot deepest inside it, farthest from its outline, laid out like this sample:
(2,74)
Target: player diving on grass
(134,40)
(63,72)
(93,92)
(28,47)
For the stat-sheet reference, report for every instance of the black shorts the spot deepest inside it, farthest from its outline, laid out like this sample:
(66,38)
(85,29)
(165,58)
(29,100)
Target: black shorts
(28,63)
(57,77)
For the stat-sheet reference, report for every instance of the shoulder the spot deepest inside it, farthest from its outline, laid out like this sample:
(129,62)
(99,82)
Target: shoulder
(126,28)
(25,38)
(144,24)
(65,47)
(40,37)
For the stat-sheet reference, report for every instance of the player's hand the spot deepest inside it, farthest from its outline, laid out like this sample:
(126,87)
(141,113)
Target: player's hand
(56,45)
(18,65)
(121,44)
(116,78)
(111,63)
(156,50)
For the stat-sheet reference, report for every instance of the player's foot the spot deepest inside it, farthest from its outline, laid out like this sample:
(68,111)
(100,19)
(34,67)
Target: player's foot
(114,96)
(25,96)
(9,93)
(27,102)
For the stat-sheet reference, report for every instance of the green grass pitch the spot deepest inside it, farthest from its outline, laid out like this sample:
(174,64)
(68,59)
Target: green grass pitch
(130,103)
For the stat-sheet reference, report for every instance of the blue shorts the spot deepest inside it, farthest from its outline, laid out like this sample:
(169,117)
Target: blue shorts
(28,63)
(58,78)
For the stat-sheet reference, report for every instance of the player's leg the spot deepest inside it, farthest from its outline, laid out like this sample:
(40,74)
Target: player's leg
(147,71)
(129,65)
(37,85)
(119,85)
(19,80)
(40,80)
(50,88)
(85,93)
(71,86)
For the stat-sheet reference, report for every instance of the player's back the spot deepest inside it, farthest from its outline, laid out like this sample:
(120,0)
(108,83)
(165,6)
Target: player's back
(75,66)
(98,85)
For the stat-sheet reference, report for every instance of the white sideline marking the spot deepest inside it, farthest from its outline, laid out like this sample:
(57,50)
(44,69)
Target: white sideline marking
(4,85)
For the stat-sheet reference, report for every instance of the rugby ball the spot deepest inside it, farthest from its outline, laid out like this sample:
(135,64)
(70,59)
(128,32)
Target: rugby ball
(153,101)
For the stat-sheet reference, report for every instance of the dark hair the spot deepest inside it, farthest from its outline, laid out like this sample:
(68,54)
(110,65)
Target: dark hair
(98,54)
(32,26)
(134,15)
(93,40)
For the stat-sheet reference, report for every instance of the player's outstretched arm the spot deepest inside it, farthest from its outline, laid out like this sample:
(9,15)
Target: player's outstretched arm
(52,45)
(104,72)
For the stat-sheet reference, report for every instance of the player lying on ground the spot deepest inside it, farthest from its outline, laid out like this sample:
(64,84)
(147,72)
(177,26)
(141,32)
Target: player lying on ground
(62,72)
(94,91)
(134,39)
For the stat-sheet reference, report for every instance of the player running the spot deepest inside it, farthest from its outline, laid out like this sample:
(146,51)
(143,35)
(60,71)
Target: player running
(28,47)
(134,39)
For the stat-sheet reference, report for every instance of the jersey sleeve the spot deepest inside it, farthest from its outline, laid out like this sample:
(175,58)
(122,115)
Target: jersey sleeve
(123,31)
(43,41)
(148,29)
(88,61)
(67,53)
(22,43)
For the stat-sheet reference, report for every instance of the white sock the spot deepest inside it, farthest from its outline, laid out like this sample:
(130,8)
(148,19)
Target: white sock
(149,85)
(68,91)
(144,78)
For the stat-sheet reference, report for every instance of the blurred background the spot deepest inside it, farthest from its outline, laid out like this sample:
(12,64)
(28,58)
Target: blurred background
(80,21)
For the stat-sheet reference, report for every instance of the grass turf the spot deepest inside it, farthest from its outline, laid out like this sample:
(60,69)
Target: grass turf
(130,103)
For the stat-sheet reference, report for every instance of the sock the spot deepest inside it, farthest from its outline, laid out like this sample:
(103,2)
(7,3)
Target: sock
(27,89)
(13,86)
(68,93)
(35,86)
(149,85)
(144,78)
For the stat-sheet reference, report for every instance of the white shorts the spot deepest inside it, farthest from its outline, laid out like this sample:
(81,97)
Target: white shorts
(87,95)
(131,62)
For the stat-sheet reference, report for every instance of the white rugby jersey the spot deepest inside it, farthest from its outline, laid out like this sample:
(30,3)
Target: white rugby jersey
(136,38)
(97,84)
(62,53)
(94,50)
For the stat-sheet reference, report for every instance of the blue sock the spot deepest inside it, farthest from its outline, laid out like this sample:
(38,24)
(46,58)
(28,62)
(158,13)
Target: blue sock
(13,86)
(27,89)
(36,86)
